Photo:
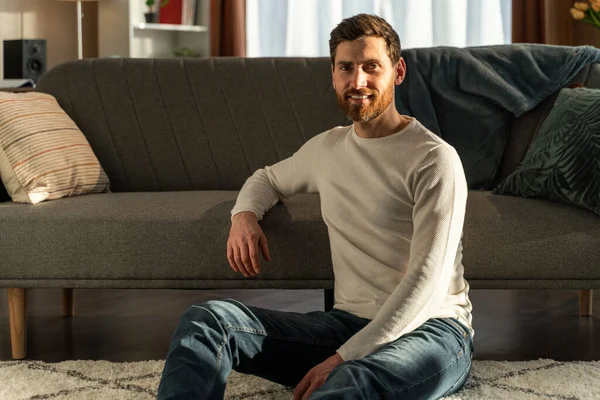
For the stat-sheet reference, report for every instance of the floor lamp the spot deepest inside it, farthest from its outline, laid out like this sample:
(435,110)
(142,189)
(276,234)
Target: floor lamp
(79,27)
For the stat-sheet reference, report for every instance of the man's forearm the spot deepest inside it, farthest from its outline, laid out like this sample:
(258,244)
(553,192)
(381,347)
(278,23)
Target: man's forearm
(257,196)
(280,181)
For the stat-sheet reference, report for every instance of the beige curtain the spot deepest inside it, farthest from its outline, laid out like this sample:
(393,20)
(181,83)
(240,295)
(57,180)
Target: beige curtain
(228,28)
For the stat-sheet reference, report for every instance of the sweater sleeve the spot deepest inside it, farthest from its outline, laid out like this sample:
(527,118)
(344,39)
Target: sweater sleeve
(440,195)
(282,180)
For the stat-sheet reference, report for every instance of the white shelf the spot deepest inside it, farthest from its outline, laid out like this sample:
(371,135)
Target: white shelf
(123,31)
(172,27)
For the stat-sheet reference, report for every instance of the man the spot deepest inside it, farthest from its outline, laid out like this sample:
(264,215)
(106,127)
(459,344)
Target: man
(393,197)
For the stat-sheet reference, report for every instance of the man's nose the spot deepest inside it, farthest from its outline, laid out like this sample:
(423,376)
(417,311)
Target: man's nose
(359,80)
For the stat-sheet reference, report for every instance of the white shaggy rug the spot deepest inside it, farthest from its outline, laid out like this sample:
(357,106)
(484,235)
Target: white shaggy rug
(530,380)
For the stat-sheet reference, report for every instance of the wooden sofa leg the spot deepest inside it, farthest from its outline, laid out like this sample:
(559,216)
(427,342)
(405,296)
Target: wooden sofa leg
(17,315)
(68,302)
(328,300)
(585,302)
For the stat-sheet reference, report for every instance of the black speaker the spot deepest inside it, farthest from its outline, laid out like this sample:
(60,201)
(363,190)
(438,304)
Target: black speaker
(24,59)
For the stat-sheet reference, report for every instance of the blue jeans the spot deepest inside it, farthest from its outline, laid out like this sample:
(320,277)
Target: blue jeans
(220,335)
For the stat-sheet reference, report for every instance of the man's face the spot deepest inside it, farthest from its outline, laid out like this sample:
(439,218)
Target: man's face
(364,78)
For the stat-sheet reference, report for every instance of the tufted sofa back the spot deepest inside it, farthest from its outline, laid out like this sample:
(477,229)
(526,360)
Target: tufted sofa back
(194,124)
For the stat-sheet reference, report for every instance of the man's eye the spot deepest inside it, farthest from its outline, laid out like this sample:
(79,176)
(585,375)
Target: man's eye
(373,66)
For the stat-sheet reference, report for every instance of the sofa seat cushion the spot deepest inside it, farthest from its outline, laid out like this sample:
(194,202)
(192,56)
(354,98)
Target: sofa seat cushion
(515,238)
(158,236)
(179,239)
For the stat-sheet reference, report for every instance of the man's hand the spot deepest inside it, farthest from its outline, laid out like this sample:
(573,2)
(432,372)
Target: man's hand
(245,238)
(316,377)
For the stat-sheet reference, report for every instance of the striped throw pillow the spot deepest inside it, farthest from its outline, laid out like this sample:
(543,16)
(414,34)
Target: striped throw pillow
(43,154)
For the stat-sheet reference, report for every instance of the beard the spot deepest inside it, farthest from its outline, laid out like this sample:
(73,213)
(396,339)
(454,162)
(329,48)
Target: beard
(377,104)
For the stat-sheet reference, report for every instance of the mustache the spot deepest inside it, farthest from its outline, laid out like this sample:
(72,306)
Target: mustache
(352,92)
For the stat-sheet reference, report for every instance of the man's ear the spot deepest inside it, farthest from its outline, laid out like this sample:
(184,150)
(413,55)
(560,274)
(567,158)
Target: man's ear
(400,71)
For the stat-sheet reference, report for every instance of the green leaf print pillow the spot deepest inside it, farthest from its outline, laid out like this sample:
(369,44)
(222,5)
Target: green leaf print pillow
(563,161)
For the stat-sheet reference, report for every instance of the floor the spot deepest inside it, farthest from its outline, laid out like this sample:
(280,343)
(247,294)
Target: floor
(133,325)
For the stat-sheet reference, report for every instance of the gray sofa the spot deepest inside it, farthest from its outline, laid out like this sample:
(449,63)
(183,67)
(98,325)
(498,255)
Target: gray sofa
(179,138)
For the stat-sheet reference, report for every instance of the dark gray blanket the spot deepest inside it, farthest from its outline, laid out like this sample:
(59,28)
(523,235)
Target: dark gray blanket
(469,96)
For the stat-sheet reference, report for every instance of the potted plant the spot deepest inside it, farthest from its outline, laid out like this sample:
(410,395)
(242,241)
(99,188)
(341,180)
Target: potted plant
(185,52)
(587,11)
(151,14)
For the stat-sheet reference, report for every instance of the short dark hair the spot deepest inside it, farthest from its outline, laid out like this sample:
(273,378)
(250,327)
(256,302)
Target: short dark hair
(364,25)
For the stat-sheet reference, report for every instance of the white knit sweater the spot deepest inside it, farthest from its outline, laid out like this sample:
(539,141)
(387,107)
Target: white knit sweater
(394,207)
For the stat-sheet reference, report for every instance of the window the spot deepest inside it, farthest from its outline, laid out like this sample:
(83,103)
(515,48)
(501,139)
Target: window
(302,27)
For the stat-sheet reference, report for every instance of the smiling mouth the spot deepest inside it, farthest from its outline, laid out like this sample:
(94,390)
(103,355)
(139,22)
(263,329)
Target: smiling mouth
(359,98)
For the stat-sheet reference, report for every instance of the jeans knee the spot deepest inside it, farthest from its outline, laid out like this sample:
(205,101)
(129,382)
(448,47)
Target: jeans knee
(347,374)
(208,312)
(345,381)
(222,309)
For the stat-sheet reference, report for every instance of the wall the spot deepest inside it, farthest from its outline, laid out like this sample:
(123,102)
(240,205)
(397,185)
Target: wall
(584,34)
(562,29)
(52,20)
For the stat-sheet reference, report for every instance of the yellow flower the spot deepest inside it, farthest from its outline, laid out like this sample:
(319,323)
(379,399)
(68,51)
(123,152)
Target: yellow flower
(581,6)
(596,5)
(577,14)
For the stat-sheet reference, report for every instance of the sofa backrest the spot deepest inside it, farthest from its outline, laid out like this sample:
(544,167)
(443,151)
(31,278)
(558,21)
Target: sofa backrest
(194,124)
(208,124)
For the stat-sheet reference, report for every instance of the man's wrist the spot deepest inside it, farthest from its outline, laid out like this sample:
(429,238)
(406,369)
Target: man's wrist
(244,214)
